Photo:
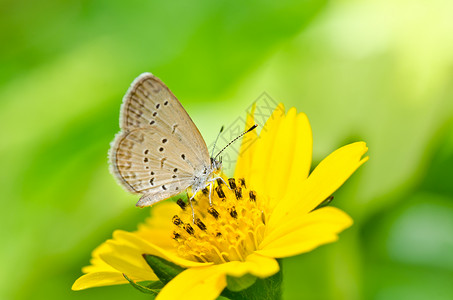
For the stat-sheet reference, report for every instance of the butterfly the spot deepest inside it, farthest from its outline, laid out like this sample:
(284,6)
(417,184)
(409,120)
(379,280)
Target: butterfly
(159,151)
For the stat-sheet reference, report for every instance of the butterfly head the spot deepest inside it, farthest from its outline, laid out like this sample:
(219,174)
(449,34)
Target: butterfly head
(216,165)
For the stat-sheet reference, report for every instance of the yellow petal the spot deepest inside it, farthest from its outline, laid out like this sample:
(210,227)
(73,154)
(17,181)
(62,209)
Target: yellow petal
(149,248)
(263,150)
(208,282)
(255,264)
(128,260)
(301,160)
(98,279)
(161,237)
(281,156)
(325,215)
(97,264)
(158,228)
(161,214)
(244,162)
(195,283)
(328,176)
(303,235)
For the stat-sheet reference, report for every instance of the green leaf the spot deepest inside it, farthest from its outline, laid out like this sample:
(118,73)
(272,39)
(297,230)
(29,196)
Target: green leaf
(236,284)
(154,285)
(145,289)
(163,269)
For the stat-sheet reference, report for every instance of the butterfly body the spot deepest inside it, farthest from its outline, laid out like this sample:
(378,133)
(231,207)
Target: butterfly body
(159,151)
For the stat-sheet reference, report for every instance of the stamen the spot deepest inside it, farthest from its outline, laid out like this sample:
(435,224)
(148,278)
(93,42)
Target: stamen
(220,192)
(232,183)
(205,191)
(213,212)
(252,195)
(176,235)
(238,193)
(242,182)
(189,229)
(234,229)
(200,224)
(176,220)
(181,203)
(233,212)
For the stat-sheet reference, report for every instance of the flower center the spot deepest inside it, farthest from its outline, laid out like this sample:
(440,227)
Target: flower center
(229,230)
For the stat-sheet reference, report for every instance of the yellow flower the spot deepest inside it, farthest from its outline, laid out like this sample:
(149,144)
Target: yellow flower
(265,214)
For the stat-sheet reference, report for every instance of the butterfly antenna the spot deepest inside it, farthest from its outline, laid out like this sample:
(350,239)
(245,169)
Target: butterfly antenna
(213,148)
(236,138)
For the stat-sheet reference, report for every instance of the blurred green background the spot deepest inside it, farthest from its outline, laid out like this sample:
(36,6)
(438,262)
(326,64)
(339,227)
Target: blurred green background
(378,70)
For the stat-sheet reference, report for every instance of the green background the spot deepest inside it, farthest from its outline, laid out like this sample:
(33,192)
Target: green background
(378,70)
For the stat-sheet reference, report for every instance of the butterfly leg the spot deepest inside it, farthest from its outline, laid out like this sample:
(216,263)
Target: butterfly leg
(191,206)
(210,191)
(213,179)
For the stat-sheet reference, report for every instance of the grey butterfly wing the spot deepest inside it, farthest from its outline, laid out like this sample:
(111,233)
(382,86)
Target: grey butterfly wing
(157,138)
(150,104)
(153,163)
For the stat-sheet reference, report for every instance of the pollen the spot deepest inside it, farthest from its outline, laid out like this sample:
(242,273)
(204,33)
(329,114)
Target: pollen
(228,230)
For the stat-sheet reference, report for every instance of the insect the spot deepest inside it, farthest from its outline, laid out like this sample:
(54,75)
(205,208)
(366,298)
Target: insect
(159,151)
